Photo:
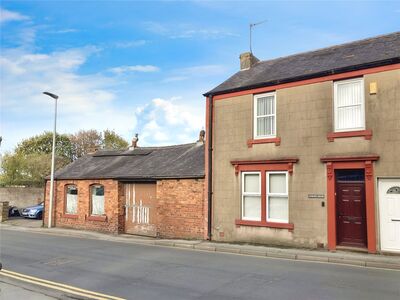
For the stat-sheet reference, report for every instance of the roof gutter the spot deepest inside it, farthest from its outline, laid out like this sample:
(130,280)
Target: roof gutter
(209,165)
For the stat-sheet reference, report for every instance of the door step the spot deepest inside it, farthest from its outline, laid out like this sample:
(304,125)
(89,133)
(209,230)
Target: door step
(352,249)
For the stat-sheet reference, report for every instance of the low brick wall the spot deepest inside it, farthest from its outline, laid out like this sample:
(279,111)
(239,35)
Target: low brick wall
(21,196)
(180,210)
(82,219)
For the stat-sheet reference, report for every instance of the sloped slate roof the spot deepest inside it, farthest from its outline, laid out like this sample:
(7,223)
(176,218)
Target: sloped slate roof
(144,163)
(371,52)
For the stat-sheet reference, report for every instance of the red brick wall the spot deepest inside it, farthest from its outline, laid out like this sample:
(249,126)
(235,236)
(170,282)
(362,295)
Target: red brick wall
(180,207)
(180,212)
(113,208)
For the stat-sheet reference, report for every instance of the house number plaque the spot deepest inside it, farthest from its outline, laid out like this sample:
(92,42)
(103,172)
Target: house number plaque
(316,196)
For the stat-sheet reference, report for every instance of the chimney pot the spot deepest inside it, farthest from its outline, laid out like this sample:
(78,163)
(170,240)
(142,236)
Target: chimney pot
(247,60)
(202,136)
(134,142)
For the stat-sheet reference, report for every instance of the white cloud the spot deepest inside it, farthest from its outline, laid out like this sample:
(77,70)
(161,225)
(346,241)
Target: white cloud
(182,74)
(137,68)
(186,31)
(156,27)
(86,101)
(8,16)
(169,121)
(174,79)
(62,31)
(130,44)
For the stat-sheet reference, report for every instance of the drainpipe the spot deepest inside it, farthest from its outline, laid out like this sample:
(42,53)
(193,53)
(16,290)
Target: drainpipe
(210,160)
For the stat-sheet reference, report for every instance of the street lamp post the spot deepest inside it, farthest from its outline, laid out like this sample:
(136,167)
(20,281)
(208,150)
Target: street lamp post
(53,154)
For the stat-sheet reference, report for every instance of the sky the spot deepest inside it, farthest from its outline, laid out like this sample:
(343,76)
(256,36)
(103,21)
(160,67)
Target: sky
(143,67)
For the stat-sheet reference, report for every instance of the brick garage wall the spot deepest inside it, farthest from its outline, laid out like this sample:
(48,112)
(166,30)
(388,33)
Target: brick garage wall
(180,212)
(113,208)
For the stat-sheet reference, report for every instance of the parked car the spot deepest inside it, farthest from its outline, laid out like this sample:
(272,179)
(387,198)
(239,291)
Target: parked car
(13,211)
(33,212)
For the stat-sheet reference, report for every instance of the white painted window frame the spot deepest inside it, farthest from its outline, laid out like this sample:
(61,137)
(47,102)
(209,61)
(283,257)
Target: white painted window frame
(66,199)
(335,112)
(282,195)
(91,200)
(255,117)
(243,174)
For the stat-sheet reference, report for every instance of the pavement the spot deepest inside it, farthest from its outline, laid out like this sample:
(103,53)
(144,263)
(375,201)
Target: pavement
(121,268)
(24,222)
(316,255)
(14,290)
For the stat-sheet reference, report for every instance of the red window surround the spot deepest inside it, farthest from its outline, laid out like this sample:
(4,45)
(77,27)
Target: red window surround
(263,166)
(251,142)
(283,164)
(367,134)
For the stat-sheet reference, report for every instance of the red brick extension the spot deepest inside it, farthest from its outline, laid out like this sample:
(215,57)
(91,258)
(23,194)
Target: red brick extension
(180,212)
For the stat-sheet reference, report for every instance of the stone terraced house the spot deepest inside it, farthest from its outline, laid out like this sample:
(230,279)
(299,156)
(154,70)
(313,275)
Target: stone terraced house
(151,191)
(304,150)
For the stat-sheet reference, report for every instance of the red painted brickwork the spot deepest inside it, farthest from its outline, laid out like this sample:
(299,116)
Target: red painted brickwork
(113,210)
(180,212)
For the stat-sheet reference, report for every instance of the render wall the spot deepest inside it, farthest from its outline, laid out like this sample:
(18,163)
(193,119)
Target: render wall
(304,117)
(180,212)
(113,210)
(21,196)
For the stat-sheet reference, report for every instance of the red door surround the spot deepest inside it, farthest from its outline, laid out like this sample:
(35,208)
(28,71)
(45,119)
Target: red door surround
(348,162)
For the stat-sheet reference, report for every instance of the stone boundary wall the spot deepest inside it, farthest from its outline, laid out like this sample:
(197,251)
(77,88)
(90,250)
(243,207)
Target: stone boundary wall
(21,196)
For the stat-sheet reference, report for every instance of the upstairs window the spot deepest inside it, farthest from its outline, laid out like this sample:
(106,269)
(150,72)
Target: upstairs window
(97,200)
(71,205)
(349,108)
(265,116)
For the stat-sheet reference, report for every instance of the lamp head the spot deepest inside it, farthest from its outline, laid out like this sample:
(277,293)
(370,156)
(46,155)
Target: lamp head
(54,96)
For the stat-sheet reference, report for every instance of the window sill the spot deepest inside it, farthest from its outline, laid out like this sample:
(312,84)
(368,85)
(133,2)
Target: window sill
(289,226)
(97,218)
(276,140)
(367,134)
(70,216)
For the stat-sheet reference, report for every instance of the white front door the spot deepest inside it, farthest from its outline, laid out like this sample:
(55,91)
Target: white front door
(389,206)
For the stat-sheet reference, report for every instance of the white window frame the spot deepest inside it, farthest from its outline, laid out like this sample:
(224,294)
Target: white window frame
(66,199)
(251,194)
(91,200)
(335,112)
(255,117)
(269,194)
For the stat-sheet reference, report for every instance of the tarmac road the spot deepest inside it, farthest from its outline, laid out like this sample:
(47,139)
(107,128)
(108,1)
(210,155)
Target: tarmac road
(149,272)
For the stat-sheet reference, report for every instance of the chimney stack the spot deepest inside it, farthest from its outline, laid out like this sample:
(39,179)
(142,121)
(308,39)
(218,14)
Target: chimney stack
(135,140)
(247,60)
(202,136)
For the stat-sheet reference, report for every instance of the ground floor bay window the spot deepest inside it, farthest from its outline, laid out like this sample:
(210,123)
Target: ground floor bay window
(264,192)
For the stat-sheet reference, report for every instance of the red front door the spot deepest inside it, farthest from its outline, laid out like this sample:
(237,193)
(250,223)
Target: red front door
(350,213)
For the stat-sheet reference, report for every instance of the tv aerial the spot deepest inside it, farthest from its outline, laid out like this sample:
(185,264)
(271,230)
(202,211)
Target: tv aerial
(251,25)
